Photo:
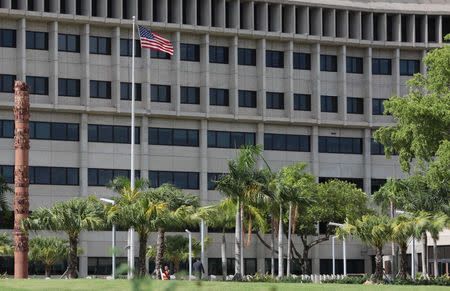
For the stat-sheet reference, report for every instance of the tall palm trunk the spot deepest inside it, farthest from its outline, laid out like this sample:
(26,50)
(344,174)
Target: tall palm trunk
(402,271)
(424,254)
(288,267)
(272,249)
(237,246)
(176,266)
(160,248)
(47,270)
(72,269)
(379,263)
(142,268)
(242,239)
(435,261)
(280,244)
(224,257)
(394,257)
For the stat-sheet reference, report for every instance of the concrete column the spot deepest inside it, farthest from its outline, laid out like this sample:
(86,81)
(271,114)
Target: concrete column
(21,43)
(260,140)
(144,147)
(233,16)
(21,4)
(342,83)
(368,26)
(355,25)
(132,10)
(53,62)
(423,67)
(206,12)
(367,67)
(396,71)
(425,29)
(219,13)
(288,19)
(261,76)
(175,64)
(247,10)
(55,6)
(84,155)
(85,78)
(315,151)
(102,8)
(5,4)
(39,5)
(411,20)
(367,160)
(86,7)
(329,22)
(261,16)
(203,139)
(161,10)
(288,81)
(315,78)
(147,10)
(397,28)
(204,74)
(382,27)
(234,80)
(145,55)
(275,17)
(115,58)
(117,9)
(342,19)
(439,36)
(70,7)
(177,11)
(302,20)
(315,16)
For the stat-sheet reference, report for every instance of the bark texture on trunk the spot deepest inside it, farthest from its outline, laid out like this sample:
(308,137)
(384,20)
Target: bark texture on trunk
(402,273)
(424,254)
(280,244)
(378,263)
(176,266)
(142,268)
(305,262)
(72,269)
(272,249)
(435,261)
(237,247)
(160,248)
(224,256)
(47,271)
(288,267)
(394,257)
(242,240)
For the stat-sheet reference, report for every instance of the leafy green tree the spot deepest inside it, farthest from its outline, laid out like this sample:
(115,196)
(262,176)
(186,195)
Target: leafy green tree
(6,245)
(423,119)
(72,217)
(4,189)
(242,186)
(374,230)
(403,228)
(48,250)
(221,216)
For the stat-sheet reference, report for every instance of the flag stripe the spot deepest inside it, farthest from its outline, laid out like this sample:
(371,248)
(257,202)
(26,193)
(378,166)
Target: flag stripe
(153,40)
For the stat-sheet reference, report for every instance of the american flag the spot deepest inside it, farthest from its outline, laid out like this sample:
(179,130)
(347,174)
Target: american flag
(154,41)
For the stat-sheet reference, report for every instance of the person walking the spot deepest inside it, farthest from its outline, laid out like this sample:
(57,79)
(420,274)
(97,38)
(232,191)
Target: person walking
(198,268)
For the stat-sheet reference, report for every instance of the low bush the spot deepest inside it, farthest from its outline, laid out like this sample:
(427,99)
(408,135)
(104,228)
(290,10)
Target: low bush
(258,277)
(347,280)
(441,281)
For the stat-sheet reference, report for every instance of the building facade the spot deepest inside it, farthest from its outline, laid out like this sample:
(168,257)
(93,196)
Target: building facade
(304,78)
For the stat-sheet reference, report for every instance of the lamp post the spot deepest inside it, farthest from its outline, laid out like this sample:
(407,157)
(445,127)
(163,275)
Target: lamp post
(332,252)
(343,248)
(113,242)
(413,249)
(190,253)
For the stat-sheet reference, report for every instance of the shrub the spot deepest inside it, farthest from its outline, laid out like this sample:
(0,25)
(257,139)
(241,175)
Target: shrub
(347,280)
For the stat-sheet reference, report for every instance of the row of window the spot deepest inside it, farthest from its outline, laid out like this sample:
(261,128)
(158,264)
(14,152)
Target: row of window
(183,180)
(227,139)
(101,177)
(44,130)
(45,175)
(217,54)
(343,145)
(112,133)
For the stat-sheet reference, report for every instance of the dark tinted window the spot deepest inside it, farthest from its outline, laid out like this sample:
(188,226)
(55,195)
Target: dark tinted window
(227,139)
(154,54)
(7,83)
(348,145)
(247,57)
(69,87)
(302,61)
(99,45)
(218,97)
(302,102)
(376,148)
(160,93)
(101,177)
(54,131)
(189,52)
(328,63)
(112,133)
(7,172)
(409,67)
(7,128)
(176,137)
(247,98)
(354,65)
(381,66)
(328,104)
(274,59)
(286,142)
(211,178)
(218,54)
(126,47)
(274,100)
(183,180)
(376,184)
(100,89)
(37,40)
(355,105)
(69,43)
(38,85)
(125,91)
(189,95)
(7,38)
(377,106)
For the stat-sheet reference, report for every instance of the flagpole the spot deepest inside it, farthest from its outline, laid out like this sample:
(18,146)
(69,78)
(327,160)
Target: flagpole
(130,231)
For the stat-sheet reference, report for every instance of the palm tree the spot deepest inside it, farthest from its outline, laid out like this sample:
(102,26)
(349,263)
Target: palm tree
(403,228)
(48,250)
(374,230)
(72,217)
(181,208)
(6,245)
(4,188)
(220,216)
(136,209)
(241,185)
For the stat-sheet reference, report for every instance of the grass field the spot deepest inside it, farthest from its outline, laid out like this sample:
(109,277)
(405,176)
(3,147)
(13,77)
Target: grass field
(124,285)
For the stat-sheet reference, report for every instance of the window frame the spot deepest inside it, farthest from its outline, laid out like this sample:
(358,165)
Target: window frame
(185,96)
(355,105)
(66,41)
(66,93)
(247,98)
(274,59)
(126,49)
(378,103)
(3,43)
(98,51)
(214,97)
(215,54)
(340,144)
(286,147)
(354,65)
(3,81)
(410,71)
(97,83)
(377,65)
(113,129)
(213,134)
(246,57)
(137,91)
(298,104)
(189,132)
(187,55)
(270,96)
(326,101)
(193,185)
(159,97)
(31,81)
(328,63)
(297,61)
(31,36)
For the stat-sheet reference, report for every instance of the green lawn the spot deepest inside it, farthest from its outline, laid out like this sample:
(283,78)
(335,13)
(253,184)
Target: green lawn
(123,285)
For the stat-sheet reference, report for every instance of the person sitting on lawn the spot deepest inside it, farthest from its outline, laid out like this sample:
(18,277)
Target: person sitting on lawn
(166,273)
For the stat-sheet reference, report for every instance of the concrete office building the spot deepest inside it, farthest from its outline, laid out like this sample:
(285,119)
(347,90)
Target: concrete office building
(304,78)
